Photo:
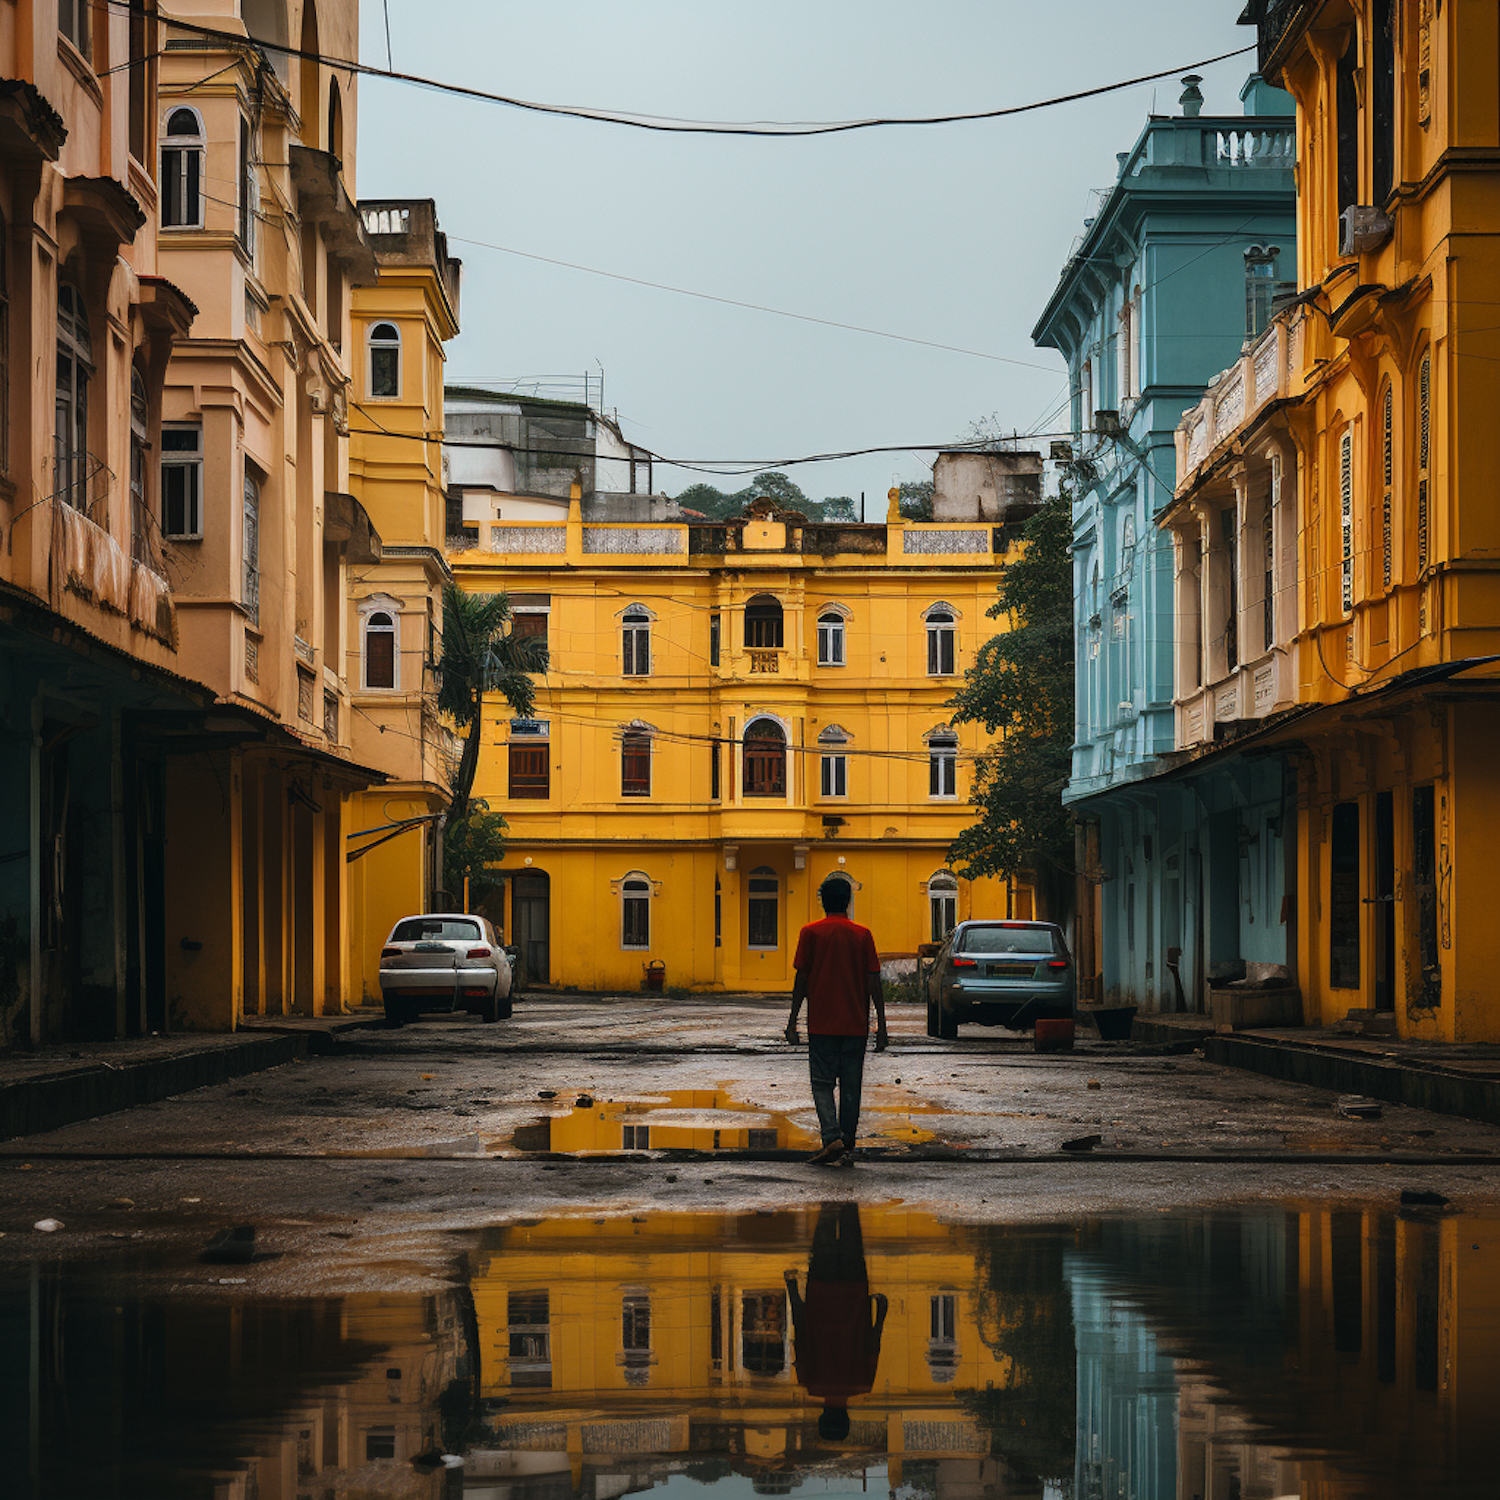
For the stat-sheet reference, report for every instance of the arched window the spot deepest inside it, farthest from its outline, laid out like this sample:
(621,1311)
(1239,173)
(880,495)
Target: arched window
(831,639)
(765,759)
(385,361)
(182,171)
(833,762)
(763,623)
(335,120)
(75,364)
(1424,455)
(942,904)
(140,513)
(942,763)
(942,648)
(764,925)
(635,910)
(635,760)
(1127,542)
(635,642)
(380,650)
(1387,476)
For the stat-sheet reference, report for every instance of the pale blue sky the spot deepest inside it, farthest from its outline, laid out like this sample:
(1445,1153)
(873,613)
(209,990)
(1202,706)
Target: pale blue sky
(953,233)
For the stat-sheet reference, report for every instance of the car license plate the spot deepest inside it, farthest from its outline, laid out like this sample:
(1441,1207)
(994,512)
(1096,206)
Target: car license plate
(1011,971)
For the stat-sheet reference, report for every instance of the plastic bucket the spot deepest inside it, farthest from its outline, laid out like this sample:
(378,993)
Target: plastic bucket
(656,975)
(1054,1035)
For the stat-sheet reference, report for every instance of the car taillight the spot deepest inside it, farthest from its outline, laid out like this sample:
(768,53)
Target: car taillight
(1057,963)
(477,953)
(390,953)
(964,963)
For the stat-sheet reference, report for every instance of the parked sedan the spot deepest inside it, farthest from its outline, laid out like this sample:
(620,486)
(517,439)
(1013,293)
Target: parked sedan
(445,961)
(997,974)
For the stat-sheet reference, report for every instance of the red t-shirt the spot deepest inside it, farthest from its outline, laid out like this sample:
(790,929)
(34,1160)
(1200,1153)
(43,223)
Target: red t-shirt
(838,955)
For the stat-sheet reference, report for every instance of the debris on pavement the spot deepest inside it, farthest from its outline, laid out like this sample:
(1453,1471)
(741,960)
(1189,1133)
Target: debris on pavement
(231,1246)
(1357,1107)
(1083,1143)
(48,1226)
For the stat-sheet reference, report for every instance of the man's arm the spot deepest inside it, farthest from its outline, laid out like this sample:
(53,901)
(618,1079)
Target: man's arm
(877,999)
(799,994)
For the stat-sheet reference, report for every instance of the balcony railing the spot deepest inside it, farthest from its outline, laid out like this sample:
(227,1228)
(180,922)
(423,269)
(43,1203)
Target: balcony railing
(764,660)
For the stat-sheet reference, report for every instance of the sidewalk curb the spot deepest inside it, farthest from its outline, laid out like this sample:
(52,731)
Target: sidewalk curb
(64,1098)
(1430,1088)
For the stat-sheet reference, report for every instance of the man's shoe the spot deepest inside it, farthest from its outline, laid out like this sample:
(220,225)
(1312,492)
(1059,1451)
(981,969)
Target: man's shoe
(828,1155)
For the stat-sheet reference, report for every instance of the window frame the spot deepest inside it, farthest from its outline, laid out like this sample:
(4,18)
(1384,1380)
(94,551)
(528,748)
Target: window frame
(635,891)
(369,629)
(942,904)
(529,786)
(832,639)
(635,746)
(764,622)
(375,345)
(75,24)
(941,621)
(754,898)
(190,461)
(75,345)
(635,642)
(251,489)
(248,185)
(780,738)
(186,148)
(833,764)
(942,765)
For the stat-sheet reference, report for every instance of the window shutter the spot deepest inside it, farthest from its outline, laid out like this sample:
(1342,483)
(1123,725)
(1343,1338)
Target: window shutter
(1387,470)
(1346,520)
(1424,449)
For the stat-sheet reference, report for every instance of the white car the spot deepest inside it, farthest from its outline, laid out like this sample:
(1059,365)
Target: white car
(445,961)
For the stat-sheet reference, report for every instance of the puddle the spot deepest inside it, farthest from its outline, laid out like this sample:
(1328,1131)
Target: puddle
(704,1120)
(830,1350)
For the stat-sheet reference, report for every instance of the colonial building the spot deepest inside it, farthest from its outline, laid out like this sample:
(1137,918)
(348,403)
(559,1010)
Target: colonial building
(734,712)
(393,625)
(1175,271)
(91,674)
(1394,377)
(259,226)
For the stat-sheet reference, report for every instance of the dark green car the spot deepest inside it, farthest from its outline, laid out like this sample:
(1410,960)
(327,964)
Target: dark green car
(997,974)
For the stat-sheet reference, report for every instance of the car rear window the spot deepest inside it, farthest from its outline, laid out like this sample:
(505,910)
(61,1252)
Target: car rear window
(1038,939)
(435,929)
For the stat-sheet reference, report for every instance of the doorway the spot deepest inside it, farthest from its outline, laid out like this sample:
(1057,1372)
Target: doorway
(531,921)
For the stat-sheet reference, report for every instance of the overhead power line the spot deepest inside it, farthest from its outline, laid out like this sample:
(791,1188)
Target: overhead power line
(779,312)
(667,124)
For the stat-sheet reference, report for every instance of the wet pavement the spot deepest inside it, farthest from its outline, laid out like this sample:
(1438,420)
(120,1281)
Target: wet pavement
(570,1238)
(837,1348)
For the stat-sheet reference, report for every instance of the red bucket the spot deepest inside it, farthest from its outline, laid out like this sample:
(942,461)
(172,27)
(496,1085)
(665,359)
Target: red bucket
(1054,1036)
(656,974)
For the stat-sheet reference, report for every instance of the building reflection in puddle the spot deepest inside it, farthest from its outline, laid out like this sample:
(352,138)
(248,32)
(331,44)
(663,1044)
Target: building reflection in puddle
(707,1120)
(1324,1354)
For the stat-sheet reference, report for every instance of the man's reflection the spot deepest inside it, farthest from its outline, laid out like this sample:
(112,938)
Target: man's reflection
(836,1326)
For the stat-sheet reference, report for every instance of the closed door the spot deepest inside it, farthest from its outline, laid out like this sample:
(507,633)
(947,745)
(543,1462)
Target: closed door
(531,919)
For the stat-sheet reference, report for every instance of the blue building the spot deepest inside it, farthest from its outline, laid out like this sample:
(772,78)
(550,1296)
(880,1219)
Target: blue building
(1174,275)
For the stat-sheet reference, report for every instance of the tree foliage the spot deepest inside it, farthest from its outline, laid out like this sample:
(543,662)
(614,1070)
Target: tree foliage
(473,846)
(482,654)
(719,506)
(1021,685)
(915,499)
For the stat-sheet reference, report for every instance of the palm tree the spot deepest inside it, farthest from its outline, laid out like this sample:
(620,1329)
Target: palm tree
(482,654)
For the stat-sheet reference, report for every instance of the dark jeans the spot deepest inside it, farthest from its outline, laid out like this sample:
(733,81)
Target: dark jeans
(837,1060)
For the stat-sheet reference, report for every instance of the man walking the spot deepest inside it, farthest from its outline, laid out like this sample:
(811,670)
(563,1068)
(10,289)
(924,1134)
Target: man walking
(838,974)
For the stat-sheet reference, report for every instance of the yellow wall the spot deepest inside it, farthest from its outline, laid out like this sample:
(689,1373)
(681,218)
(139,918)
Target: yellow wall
(587,836)
(1420,556)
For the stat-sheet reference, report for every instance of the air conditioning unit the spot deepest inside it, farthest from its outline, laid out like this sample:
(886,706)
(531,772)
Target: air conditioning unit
(1107,423)
(1362,229)
(1061,452)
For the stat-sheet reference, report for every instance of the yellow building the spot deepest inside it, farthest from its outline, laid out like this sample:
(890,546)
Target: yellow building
(734,712)
(676,1335)
(394,609)
(1397,588)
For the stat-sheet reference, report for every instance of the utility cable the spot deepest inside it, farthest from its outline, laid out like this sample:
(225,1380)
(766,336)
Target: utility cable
(667,124)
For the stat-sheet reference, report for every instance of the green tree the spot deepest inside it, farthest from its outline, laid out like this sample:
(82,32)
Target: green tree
(1021,685)
(783,492)
(482,654)
(473,846)
(915,499)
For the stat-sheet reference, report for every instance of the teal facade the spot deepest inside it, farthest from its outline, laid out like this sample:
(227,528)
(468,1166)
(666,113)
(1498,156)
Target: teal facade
(1175,271)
